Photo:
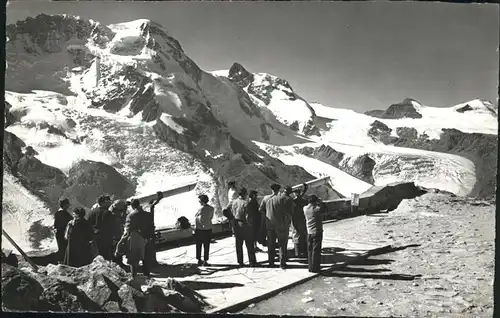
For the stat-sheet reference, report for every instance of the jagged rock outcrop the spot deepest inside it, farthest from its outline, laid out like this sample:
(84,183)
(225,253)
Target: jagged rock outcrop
(381,132)
(21,292)
(388,197)
(101,286)
(44,181)
(324,153)
(378,113)
(407,133)
(465,108)
(240,76)
(405,109)
(479,105)
(88,179)
(44,35)
(8,118)
(360,167)
(47,181)
(12,150)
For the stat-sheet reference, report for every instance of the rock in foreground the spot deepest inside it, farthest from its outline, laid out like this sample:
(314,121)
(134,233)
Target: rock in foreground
(101,286)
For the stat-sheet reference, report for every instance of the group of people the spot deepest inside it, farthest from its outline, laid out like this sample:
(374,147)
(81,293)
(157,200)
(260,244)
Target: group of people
(266,223)
(107,230)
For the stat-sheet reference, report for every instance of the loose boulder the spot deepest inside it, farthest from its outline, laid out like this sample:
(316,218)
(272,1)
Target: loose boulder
(101,286)
(381,132)
(388,197)
(88,179)
(12,150)
(20,292)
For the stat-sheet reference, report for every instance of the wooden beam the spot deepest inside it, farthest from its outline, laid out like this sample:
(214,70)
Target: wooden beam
(33,265)
(168,193)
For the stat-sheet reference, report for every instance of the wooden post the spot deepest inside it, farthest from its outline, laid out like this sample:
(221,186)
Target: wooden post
(33,265)
(354,203)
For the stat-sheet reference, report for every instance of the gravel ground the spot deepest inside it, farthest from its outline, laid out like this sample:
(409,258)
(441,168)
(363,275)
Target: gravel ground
(442,265)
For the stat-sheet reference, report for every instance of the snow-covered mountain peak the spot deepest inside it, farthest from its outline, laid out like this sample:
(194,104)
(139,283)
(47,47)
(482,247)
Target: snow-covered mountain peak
(477,106)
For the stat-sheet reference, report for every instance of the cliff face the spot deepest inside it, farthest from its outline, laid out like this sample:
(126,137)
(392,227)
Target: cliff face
(405,109)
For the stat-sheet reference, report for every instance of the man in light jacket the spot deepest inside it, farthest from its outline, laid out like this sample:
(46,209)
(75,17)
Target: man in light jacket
(242,228)
(314,223)
(278,217)
(203,229)
(232,192)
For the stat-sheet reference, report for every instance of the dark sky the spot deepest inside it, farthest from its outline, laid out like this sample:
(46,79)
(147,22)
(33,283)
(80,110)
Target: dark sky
(350,55)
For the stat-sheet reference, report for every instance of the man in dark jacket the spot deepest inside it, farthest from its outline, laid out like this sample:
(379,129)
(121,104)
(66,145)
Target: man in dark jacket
(278,217)
(151,245)
(299,231)
(138,231)
(253,210)
(243,228)
(61,220)
(103,221)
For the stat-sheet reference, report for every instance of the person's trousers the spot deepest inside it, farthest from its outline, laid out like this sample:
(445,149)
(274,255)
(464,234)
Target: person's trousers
(314,251)
(61,246)
(245,237)
(149,257)
(203,238)
(105,247)
(271,247)
(301,246)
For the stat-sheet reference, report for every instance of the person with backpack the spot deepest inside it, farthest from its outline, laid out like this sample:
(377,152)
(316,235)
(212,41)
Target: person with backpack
(61,219)
(242,228)
(203,229)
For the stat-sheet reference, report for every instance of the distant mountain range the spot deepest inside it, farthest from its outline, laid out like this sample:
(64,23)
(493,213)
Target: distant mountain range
(122,109)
